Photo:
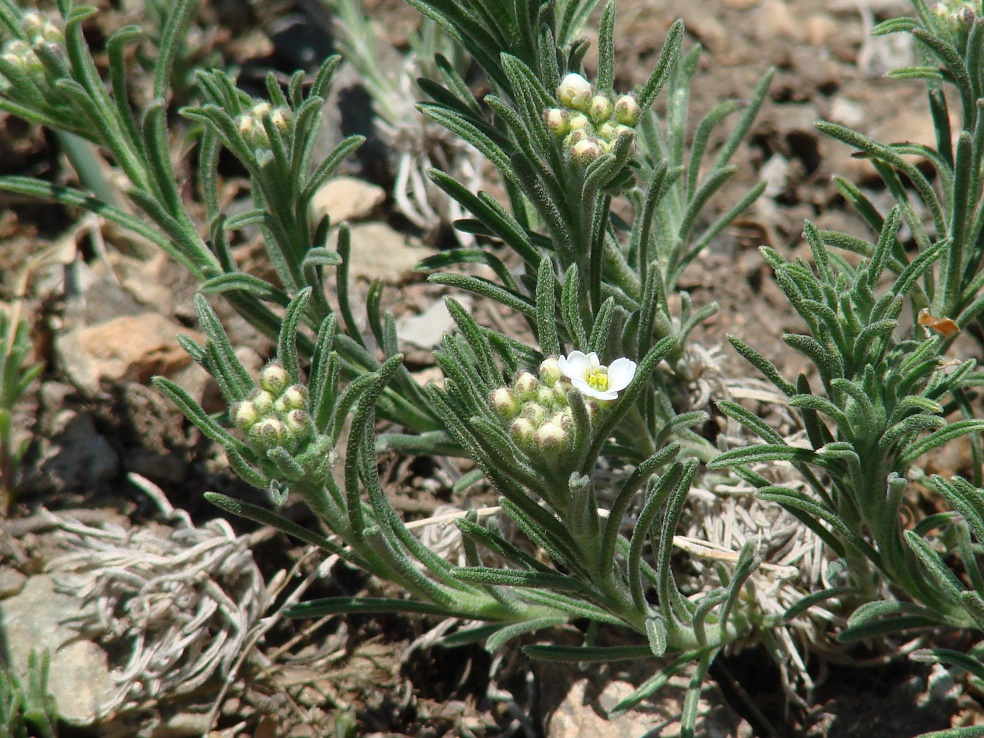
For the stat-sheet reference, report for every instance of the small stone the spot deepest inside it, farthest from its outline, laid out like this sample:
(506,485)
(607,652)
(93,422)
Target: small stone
(76,457)
(11,582)
(348,199)
(129,348)
(380,252)
(79,678)
(427,329)
(578,715)
(779,21)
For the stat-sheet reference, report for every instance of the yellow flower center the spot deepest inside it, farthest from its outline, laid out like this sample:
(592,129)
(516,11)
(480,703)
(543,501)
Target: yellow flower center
(597,378)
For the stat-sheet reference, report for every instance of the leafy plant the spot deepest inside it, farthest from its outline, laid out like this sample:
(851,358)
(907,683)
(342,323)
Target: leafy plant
(26,707)
(587,431)
(16,376)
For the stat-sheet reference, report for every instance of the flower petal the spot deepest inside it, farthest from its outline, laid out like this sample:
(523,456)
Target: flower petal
(620,374)
(588,391)
(575,365)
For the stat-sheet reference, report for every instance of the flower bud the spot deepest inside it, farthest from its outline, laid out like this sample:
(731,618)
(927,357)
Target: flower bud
(52,33)
(293,398)
(245,415)
(274,378)
(268,433)
(525,387)
(550,439)
(558,121)
(600,109)
(574,92)
(260,110)
(535,413)
(564,419)
(561,388)
(16,52)
(575,137)
(545,396)
(262,401)
(247,127)
(504,403)
(550,372)
(33,24)
(523,433)
(627,110)
(298,426)
(281,119)
(586,151)
(579,122)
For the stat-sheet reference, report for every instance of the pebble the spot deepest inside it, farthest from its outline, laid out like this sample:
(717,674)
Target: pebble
(380,252)
(346,199)
(128,348)
(79,676)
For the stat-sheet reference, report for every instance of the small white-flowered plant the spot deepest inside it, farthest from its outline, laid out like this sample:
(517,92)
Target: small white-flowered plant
(592,378)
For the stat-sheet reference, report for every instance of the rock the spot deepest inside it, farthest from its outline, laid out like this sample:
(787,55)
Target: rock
(348,199)
(846,112)
(578,715)
(777,20)
(11,582)
(379,252)
(128,348)
(426,330)
(909,124)
(79,676)
(76,458)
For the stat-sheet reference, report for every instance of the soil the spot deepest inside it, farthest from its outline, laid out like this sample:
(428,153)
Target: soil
(377,672)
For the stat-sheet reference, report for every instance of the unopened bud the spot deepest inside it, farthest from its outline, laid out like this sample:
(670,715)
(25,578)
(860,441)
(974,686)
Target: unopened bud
(535,413)
(558,121)
(550,372)
(504,403)
(561,388)
(260,110)
(298,425)
(579,122)
(586,151)
(52,33)
(575,137)
(293,398)
(33,23)
(600,109)
(245,415)
(545,396)
(563,419)
(268,433)
(246,125)
(281,118)
(523,433)
(550,439)
(274,378)
(574,92)
(263,402)
(525,387)
(627,110)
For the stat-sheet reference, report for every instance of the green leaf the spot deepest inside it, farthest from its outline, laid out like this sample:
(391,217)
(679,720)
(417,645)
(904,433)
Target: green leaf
(587,654)
(370,606)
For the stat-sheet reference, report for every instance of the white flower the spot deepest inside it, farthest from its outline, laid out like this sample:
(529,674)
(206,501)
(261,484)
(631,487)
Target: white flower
(591,378)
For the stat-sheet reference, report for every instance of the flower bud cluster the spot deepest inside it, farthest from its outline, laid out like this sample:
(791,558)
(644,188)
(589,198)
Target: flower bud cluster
(40,32)
(590,122)
(251,126)
(536,410)
(276,414)
(958,15)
